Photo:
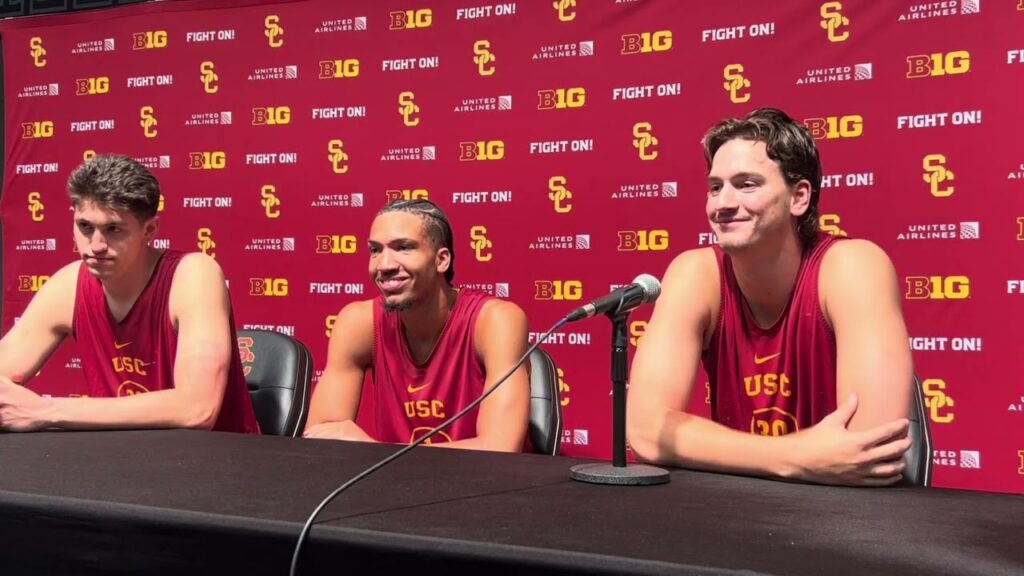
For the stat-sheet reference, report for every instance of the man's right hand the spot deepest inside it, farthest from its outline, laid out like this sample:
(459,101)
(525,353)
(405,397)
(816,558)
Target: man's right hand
(829,453)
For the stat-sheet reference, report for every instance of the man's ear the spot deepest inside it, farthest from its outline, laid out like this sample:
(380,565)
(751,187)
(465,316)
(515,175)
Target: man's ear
(444,260)
(150,227)
(801,198)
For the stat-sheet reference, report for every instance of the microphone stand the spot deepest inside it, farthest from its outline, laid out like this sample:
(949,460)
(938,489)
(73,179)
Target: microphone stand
(619,472)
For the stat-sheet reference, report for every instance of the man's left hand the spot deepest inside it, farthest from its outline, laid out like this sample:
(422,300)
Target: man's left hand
(21,409)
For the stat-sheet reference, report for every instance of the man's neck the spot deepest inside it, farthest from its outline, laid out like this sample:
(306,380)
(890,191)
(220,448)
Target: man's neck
(766,276)
(125,289)
(424,322)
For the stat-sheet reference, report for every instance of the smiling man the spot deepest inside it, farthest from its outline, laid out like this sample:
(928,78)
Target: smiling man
(154,328)
(800,333)
(431,348)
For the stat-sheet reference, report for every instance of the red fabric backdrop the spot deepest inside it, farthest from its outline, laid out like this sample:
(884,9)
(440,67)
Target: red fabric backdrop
(563,140)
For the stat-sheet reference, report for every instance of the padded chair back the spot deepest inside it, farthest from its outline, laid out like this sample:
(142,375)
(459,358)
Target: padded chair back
(919,455)
(278,369)
(545,405)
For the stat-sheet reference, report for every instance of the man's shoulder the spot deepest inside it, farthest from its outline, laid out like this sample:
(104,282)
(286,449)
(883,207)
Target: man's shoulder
(843,259)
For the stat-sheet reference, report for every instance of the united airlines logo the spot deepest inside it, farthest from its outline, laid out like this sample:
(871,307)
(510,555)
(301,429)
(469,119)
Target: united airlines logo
(833,21)
(936,175)
(834,74)
(273,31)
(570,50)
(948,231)
(285,244)
(480,244)
(209,119)
(737,85)
(644,141)
(970,459)
(484,104)
(645,191)
(409,153)
(357,24)
(498,289)
(37,90)
(559,194)
(354,200)
(484,58)
(93,46)
(560,242)
(289,72)
(37,52)
(939,10)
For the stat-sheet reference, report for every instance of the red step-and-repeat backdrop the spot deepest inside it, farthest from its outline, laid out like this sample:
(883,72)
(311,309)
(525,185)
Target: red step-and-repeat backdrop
(563,139)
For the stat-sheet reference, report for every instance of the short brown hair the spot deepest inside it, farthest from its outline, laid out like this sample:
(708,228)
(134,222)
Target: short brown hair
(116,182)
(788,143)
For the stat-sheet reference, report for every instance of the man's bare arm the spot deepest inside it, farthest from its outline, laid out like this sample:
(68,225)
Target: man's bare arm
(45,323)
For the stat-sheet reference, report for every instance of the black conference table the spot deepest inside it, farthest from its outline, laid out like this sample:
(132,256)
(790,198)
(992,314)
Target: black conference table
(189,502)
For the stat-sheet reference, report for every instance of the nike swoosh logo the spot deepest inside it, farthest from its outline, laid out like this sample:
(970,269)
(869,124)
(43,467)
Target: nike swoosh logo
(119,346)
(758,360)
(414,389)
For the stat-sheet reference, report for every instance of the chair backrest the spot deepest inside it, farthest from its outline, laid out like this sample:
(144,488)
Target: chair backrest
(545,429)
(919,455)
(278,369)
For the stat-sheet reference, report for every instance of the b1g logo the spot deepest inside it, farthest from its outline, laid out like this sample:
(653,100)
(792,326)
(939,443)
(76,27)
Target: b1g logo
(335,244)
(268,286)
(563,387)
(337,157)
(35,206)
(637,329)
(92,86)
(215,160)
(832,127)
(484,58)
(148,121)
(735,83)
(206,243)
(480,244)
(938,287)
(832,20)
(329,321)
(566,13)
(408,19)
(936,174)
(559,194)
(830,223)
(208,77)
(561,98)
(938,64)
(481,150)
(558,290)
(936,399)
(643,141)
(271,115)
(408,109)
(273,31)
(339,68)
(246,354)
(646,42)
(37,52)
(40,129)
(407,194)
(149,39)
(643,240)
(31,282)
(270,201)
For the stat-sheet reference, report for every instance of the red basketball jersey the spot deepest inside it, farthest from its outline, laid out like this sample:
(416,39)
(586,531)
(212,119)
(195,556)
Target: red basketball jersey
(776,380)
(136,355)
(411,399)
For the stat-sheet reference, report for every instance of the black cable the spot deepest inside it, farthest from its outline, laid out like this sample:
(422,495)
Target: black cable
(309,523)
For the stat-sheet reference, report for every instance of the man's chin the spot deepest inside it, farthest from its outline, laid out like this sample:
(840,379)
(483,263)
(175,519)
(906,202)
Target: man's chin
(397,304)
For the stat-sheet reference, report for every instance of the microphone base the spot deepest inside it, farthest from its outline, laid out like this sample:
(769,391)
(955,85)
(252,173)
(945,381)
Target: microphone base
(629,475)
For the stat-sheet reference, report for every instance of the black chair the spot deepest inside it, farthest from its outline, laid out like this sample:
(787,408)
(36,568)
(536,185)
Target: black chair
(278,369)
(545,429)
(919,455)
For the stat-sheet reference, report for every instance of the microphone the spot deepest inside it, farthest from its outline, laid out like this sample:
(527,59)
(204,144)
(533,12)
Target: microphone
(644,290)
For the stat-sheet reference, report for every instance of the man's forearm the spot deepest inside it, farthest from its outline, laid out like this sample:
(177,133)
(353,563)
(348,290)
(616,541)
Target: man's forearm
(161,409)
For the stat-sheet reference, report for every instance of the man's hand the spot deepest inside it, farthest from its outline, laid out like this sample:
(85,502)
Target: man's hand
(347,430)
(828,453)
(21,410)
